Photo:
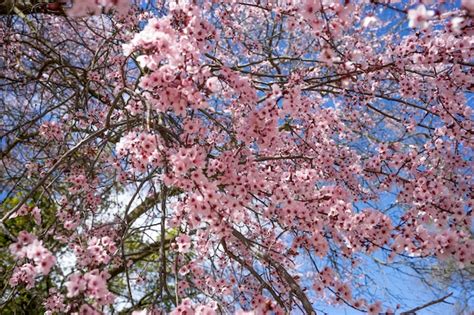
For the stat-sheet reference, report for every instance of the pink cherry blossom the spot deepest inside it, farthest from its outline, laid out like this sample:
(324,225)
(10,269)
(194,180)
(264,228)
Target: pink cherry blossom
(184,243)
(419,17)
(249,157)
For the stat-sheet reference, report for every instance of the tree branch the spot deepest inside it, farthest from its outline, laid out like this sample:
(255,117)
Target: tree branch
(414,310)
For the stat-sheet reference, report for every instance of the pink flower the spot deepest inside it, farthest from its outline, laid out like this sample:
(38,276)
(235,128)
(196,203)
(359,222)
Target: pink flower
(45,264)
(375,308)
(328,56)
(55,303)
(419,17)
(213,84)
(85,309)
(184,243)
(25,238)
(75,285)
(17,250)
(23,275)
(30,247)
(309,8)
(35,250)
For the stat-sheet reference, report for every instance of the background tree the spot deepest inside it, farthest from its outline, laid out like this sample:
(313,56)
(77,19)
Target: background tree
(214,157)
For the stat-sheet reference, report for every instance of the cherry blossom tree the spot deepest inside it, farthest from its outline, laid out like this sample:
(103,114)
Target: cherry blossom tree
(252,157)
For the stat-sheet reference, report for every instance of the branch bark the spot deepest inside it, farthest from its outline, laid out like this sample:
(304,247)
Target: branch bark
(295,288)
(11,7)
(255,274)
(414,310)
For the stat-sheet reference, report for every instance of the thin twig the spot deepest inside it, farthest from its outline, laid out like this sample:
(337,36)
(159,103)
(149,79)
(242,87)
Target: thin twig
(412,311)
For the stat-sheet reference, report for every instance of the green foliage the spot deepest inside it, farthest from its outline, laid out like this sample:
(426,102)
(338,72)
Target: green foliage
(25,302)
(20,223)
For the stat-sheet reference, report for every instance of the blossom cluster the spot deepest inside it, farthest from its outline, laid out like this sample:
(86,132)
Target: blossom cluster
(39,260)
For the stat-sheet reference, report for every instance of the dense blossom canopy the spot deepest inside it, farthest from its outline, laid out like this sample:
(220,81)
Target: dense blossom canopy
(251,157)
